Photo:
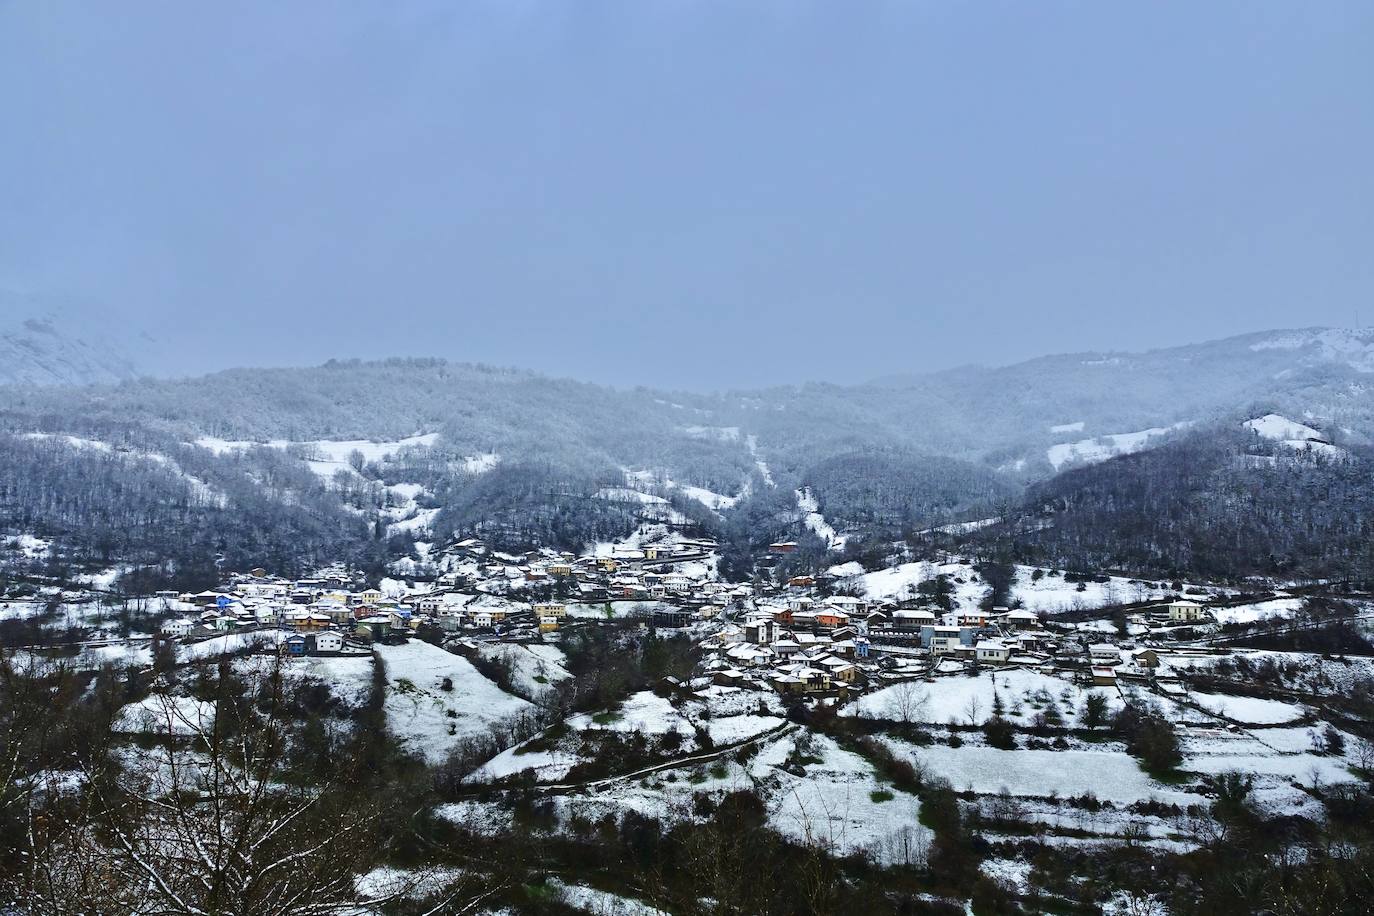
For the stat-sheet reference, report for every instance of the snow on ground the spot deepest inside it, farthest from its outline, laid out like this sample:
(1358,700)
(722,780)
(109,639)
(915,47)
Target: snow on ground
(201,492)
(532,676)
(548,653)
(1049,594)
(730,715)
(429,720)
(833,804)
(1278,608)
(627,495)
(739,728)
(1287,767)
(226,643)
(812,518)
(1353,347)
(642,712)
(721,433)
(969,700)
(1100,448)
(1304,670)
(419,522)
(160,714)
(710,499)
(1249,710)
(1075,427)
(600,903)
(481,463)
(121,656)
(105,579)
(1010,873)
(1171,709)
(713,501)
(1110,775)
(349,677)
(405,884)
(328,456)
(332,450)
(550,765)
(618,608)
(751,442)
(962,527)
(1280,428)
(27,546)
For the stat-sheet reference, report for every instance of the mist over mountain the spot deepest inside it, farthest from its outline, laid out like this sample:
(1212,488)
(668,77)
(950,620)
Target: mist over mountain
(446,449)
(48,343)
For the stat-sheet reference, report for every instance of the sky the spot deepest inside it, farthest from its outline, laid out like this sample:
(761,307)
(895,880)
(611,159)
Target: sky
(687,195)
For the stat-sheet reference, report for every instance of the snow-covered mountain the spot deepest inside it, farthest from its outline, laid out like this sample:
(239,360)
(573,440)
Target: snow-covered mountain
(45,344)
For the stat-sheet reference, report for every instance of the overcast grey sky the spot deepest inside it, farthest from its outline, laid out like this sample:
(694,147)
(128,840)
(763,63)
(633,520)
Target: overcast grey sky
(689,194)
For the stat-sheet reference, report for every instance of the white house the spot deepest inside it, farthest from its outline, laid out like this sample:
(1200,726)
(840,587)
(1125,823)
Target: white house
(993,652)
(329,641)
(1104,653)
(177,628)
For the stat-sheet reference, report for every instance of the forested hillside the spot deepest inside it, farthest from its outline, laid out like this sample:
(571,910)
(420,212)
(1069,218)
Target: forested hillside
(361,461)
(1218,503)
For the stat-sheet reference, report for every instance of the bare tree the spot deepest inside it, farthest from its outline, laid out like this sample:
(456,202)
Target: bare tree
(213,818)
(908,702)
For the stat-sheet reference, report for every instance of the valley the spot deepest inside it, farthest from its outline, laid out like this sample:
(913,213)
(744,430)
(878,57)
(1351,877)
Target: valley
(553,645)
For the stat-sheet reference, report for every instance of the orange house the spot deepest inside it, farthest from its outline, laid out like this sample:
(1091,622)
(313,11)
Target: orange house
(831,619)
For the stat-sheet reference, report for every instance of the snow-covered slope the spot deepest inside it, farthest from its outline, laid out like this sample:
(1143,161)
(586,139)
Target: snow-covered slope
(1293,434)
(1273,426)
(1346,346)
(1100,448)
(60,347)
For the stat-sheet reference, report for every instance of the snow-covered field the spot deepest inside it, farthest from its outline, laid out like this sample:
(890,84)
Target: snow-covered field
(1110,775)
(1249,710)
(429,720)
(729,715)
(971,700)
(600,903)
(534,674)
(1048,594)
(1100,448)
(1278,609)
(659,479)
(162,714)
(832,806)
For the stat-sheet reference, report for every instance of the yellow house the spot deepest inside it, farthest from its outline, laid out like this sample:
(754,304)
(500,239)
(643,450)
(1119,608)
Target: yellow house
(548,624)
(551,609)
(607,564)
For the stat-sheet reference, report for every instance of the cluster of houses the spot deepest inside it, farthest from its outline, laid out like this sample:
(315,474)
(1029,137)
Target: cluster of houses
(805,644)
(484,594)
(801,644)
(792,638)
(642,573)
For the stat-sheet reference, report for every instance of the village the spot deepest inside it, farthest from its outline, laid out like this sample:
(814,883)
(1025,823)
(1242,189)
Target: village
(843,702)
(801,637)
